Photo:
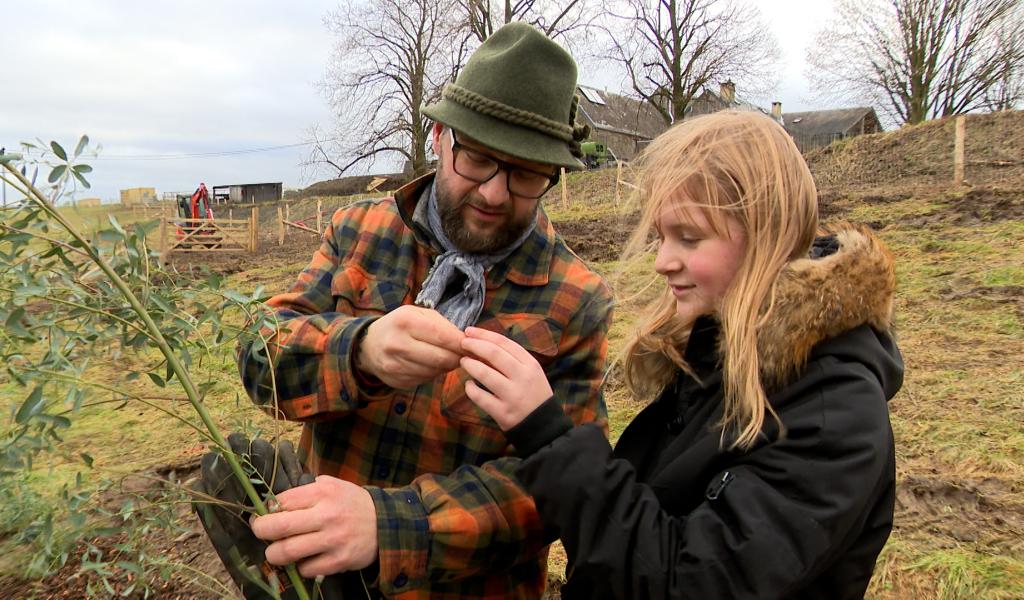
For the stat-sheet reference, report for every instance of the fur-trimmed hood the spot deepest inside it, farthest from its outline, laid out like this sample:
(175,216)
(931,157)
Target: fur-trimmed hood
(848,281)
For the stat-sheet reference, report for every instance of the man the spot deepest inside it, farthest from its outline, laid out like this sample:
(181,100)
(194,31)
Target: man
(415,484)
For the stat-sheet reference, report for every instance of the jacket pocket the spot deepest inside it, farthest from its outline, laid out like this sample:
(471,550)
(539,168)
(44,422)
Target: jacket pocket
(358,293)
(532,332)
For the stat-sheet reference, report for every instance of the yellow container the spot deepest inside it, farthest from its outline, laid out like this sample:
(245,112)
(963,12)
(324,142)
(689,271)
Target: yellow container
(140,195)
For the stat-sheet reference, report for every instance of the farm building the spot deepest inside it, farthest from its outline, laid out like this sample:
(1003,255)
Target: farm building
(88,202)
(247,192)
(809,129)
(817,128)
(622,124)
(725,98)
(140,195)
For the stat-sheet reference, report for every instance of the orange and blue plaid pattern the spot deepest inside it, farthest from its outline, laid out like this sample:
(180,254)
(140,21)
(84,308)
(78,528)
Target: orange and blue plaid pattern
(453,522)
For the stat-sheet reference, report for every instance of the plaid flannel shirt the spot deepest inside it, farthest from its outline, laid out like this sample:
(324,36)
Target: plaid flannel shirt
(452,520)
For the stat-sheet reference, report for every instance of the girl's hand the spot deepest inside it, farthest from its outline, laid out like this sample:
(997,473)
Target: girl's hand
(515,382)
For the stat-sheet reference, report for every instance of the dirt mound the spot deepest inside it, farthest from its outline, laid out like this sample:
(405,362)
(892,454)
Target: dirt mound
(597,240)
(356,184)
(923,154)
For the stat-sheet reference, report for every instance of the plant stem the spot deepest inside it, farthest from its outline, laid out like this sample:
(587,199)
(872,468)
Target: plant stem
(172,359)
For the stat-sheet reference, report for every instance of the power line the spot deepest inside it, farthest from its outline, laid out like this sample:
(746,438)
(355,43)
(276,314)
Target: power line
(201,154)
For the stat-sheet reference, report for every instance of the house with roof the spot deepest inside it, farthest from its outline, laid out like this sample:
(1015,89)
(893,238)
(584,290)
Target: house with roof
(624,125)
(816,128)
(709,101)
(810,129)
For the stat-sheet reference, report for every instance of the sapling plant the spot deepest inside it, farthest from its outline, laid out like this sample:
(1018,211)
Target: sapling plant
(69,299)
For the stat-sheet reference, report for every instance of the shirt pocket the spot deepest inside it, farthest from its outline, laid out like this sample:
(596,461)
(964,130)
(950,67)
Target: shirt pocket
(358,293)
(533,332)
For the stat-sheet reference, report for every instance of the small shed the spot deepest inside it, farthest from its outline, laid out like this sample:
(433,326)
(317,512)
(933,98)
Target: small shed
(624,125)
(247,192)
(816,128)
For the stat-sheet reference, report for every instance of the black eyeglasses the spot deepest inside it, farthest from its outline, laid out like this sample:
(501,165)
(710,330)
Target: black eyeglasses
(479,167)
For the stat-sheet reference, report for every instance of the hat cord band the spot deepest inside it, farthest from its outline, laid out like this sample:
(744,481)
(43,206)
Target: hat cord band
(510,114)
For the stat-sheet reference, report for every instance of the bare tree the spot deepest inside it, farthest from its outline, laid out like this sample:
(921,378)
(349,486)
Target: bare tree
(919,59)
(671,49)
(555,18)
(1007,91)
(391,58)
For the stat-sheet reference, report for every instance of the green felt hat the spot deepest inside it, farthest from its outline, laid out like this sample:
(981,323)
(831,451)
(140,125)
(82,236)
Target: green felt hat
(517,95)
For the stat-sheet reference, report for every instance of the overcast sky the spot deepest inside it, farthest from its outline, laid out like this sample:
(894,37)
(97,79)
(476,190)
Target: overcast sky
(160,79)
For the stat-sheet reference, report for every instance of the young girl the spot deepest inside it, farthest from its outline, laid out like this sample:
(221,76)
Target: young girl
(765,466)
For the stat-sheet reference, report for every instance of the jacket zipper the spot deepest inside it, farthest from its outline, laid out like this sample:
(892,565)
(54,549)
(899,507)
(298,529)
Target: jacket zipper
(715,489)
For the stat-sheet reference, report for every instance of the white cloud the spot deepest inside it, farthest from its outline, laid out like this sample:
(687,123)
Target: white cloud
(166,78)
(192,76)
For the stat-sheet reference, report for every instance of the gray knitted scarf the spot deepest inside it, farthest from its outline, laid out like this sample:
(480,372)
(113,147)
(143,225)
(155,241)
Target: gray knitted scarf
(464,307)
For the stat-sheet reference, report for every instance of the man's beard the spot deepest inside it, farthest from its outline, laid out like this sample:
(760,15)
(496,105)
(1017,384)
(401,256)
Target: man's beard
(452,222)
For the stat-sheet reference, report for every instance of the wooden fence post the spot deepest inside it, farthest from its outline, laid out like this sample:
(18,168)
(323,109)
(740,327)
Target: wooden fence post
(618,179)
(254,229)
(280,222)
(565,192)
(163,237)
(958,150)
(319,218)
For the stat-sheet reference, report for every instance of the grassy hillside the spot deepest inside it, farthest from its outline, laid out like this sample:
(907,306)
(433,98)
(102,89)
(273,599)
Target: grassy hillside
(957,420)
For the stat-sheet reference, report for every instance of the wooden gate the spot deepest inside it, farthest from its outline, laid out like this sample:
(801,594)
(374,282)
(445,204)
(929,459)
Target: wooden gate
(209,235)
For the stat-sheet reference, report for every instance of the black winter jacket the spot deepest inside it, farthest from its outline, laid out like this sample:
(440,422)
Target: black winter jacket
(670,513)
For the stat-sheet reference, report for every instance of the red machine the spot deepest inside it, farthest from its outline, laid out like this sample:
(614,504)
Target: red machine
(197,228)
(197,206)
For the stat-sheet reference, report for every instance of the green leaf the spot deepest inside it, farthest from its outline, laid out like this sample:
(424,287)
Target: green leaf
(57,173)
(132,567)
(159,381)
(59,151)
(87,459)
(82,180)
(82,169)
(82,143)
(31,407)
(14,326)
(115,224)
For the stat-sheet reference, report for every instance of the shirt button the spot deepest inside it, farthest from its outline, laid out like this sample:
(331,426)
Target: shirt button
(382,471)
(400,408)
(401,580)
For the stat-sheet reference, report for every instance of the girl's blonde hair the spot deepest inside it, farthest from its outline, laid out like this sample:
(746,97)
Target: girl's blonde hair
(734,164)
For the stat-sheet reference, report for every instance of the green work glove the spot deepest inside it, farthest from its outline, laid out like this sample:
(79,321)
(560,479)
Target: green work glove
(224,510)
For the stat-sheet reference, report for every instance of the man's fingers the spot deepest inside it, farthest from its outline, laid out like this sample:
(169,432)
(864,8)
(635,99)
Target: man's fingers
(285,524)
(321,564)
(436,330)
(295,548)
(298,498)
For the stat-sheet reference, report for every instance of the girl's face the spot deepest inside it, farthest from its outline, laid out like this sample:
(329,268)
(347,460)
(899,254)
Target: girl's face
(698,264)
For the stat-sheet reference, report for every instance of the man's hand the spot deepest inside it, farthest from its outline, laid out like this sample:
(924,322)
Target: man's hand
(327,527)
(515,382)
(409,346)
(223,509)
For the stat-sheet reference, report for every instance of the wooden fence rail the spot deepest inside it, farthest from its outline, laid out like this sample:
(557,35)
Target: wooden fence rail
(210,235)
(285,221)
